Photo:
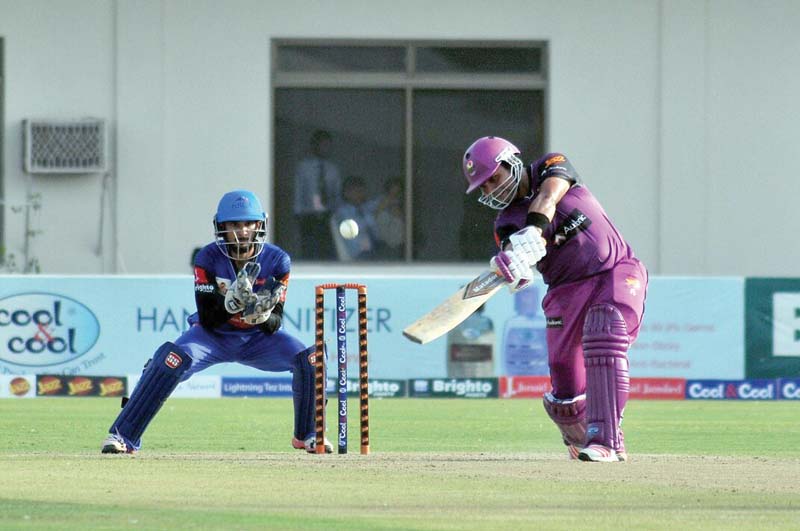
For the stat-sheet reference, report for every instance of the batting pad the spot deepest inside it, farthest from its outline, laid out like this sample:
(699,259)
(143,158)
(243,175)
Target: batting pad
(160,377)
(570,417)
(605,351)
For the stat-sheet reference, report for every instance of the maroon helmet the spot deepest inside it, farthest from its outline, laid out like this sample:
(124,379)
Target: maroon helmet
(481,161)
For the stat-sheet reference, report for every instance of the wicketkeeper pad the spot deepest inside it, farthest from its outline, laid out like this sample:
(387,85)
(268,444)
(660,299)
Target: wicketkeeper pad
(303,393)
(160,377)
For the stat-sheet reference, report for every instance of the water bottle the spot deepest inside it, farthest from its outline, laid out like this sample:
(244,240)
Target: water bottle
(525,337)
(470,347)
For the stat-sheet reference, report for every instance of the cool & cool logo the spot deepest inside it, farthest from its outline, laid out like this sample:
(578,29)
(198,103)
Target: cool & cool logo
(699,390)
(790,390)
(41,329)
(736,390)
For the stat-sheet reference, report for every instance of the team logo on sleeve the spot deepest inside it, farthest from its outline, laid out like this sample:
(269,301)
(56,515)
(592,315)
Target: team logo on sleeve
(554,160)
(200,276)
(557,165)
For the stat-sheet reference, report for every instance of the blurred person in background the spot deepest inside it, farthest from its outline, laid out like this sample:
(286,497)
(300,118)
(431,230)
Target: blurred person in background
(390,224)
(594,304)
(356,207)
(317,194)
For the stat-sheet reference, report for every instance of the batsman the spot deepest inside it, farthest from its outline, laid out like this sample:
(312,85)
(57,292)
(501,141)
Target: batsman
(596,290)
(240,284)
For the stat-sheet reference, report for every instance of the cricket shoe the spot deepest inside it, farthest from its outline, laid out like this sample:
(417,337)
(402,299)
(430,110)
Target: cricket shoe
(114,444)
(310,444)
(601,454)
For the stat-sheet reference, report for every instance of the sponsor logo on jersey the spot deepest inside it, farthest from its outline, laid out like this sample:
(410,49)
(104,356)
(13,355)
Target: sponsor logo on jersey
(557,166)
(204,288)
(555,322)
(576,222)
(200,276)
(554,160)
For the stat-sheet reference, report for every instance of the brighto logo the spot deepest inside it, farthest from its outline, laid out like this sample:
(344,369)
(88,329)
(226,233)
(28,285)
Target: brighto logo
(461,387)
(41,329)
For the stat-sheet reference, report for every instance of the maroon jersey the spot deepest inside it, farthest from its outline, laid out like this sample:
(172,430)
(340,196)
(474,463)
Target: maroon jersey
(581,239)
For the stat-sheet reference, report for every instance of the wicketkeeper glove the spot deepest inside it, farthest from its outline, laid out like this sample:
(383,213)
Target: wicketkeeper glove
(240,292)
(259,309)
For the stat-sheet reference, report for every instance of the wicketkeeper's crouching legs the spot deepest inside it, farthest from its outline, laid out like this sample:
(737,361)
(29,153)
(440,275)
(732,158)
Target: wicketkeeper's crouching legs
(160,377)
(304,401)
(605,351)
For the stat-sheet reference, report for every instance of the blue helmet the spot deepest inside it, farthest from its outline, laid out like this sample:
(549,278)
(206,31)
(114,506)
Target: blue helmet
(240,205)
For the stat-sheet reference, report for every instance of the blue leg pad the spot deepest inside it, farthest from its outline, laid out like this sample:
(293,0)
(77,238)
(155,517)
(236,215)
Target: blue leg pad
(160,377)
(303,393)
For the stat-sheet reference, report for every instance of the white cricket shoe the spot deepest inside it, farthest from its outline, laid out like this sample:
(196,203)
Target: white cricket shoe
(600,454)
(114,444)
(310,444)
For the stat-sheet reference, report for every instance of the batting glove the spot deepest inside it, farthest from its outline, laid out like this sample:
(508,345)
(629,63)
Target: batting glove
(528,245)
(515,271)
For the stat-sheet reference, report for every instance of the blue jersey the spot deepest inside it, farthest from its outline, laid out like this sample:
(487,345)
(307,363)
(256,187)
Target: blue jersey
(214,273)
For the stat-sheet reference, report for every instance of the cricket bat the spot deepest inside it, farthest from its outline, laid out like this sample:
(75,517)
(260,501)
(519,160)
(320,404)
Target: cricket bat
(454,310)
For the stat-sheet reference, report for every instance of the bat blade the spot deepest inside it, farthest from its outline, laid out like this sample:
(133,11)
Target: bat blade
(454,310)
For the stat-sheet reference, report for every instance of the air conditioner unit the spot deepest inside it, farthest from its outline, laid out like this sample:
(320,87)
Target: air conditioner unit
(75,146)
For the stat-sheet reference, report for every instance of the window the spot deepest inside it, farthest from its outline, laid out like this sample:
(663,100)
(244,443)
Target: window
(376,130)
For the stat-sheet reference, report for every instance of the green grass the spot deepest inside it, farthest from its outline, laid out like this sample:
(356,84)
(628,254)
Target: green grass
(435,464)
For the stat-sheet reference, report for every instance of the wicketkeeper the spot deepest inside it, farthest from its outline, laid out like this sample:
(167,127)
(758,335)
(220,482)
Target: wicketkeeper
(240,286)
(596,286)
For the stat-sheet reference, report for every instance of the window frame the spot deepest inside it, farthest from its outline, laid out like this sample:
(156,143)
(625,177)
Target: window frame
(408,81)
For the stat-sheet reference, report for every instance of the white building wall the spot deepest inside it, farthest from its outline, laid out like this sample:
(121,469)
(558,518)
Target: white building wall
(673,112)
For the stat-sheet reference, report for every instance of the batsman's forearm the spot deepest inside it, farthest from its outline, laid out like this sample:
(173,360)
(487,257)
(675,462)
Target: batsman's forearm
(548,196)
(544,205)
